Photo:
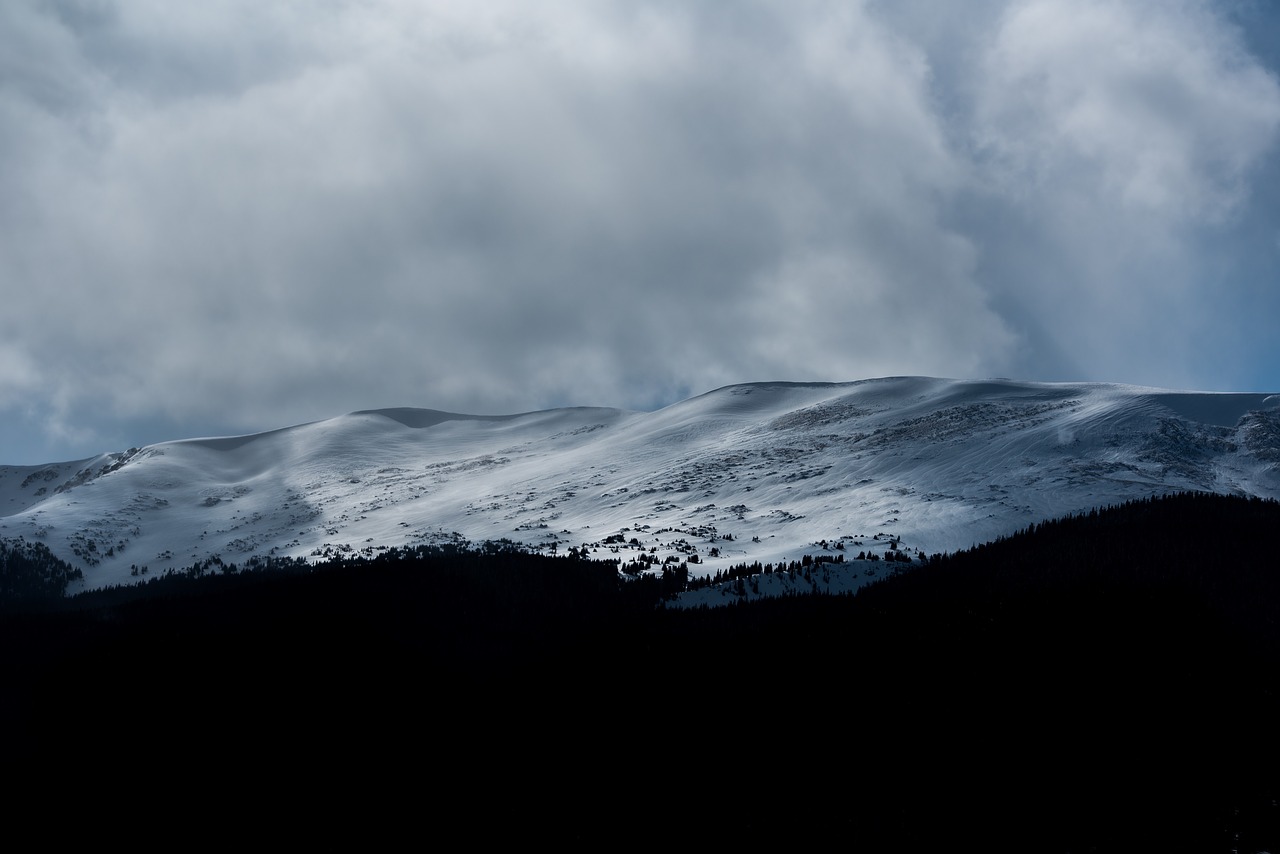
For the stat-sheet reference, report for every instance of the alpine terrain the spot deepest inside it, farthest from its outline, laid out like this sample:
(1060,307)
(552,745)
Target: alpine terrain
(763,472)
(1082,653)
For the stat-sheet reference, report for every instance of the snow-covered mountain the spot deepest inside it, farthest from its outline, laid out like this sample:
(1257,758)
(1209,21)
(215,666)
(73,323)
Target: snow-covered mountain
(759,472)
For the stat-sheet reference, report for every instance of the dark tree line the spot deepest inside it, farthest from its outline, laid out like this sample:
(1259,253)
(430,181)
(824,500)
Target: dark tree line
(29,572)
(1106,681)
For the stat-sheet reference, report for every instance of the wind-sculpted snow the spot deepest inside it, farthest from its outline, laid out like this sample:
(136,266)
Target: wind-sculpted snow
(1260,434)
(763,472)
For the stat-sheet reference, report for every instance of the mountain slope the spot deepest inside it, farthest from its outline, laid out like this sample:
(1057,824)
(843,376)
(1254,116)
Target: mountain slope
(764,471)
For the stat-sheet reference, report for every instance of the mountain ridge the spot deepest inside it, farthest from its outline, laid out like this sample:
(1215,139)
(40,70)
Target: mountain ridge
(762,471)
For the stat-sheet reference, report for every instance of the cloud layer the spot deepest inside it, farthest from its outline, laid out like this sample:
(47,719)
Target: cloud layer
(242,216)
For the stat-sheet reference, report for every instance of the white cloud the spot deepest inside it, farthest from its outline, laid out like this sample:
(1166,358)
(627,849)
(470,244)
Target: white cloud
(1151,107)
(1118,141)
(265,214)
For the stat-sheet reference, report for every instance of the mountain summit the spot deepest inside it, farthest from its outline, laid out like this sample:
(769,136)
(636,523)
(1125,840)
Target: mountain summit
(762,471)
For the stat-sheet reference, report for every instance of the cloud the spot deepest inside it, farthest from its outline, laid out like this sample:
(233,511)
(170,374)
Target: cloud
(1150,108)
(1124,137)
(242,216)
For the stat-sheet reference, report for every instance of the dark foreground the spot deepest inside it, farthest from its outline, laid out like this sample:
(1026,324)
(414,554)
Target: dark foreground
(1090,685)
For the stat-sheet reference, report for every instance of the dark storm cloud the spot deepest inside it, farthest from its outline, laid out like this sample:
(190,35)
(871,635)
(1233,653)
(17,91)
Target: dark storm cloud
(246,215)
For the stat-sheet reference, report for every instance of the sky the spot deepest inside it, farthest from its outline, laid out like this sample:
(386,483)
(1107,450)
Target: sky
(237,215)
